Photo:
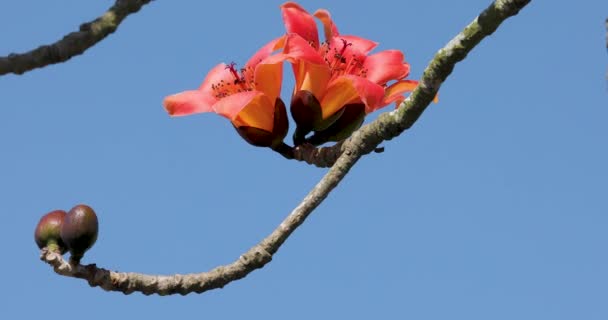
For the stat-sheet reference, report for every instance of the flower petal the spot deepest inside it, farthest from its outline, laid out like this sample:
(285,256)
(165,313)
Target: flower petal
(249,108)
(265,52)
(328,25)
(331,31)
(218,74)
(394,93)
(268,76)
(350,89)
(188,102)
(313,78)
(299,21)
(296,48)
(310,69)
(385,66)
(231,105)
(258,113)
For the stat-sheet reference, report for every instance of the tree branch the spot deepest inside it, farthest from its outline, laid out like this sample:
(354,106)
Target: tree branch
(322,157)
(73,44)
(364,141)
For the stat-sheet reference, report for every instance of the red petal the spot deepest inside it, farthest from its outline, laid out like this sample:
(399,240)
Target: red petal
(299,21)
(215,76)
(297,48)
(385,66)
(265,52)
(231,105)
(188,102)
(328,25)
(349,89)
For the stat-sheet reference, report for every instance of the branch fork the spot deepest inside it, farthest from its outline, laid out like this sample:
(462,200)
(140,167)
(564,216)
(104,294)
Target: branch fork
(341,157)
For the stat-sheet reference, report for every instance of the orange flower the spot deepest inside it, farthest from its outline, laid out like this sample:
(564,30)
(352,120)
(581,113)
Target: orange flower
(248,97)
(337,82)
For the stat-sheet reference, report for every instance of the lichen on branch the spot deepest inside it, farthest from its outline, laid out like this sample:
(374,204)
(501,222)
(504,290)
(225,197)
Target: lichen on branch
(72,44)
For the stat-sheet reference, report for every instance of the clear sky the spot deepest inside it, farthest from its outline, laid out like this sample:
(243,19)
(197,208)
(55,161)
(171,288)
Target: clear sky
(493,206)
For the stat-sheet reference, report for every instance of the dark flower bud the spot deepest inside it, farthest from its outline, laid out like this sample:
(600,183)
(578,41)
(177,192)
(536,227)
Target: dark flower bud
(305,111)
(308,115)
(48,231)
(79,231)
(350,120)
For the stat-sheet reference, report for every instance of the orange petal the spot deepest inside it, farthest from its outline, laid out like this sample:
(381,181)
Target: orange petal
(350,89)
(385,66)
(396,90)
(328,25)
(188,102)
(269,75)
(394,93)
(299,21)
(258,113)
(314,78)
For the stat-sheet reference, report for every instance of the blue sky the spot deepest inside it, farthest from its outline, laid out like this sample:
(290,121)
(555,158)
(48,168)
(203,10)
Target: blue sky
(493,206)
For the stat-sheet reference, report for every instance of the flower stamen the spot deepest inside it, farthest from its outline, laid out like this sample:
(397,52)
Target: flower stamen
(232,69)
(344,45)
(243,81)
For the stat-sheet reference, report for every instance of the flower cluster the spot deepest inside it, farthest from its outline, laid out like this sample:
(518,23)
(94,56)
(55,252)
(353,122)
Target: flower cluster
(337,82)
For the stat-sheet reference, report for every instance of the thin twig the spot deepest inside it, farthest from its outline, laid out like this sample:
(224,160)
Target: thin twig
(364,141)
(72,44)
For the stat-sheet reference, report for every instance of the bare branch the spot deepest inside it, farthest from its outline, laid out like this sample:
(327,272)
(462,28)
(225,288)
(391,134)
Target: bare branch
(365,140)
(73,44)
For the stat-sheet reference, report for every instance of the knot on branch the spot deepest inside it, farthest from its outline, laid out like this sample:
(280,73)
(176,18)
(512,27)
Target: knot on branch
(256,257)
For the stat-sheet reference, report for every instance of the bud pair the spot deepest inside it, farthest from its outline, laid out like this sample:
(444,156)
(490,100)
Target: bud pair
(74,231)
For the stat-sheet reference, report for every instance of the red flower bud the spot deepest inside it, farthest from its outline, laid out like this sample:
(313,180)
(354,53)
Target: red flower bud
(47,232)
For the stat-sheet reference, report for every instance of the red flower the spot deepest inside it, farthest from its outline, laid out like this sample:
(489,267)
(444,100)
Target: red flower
(337,82)
(248,97)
